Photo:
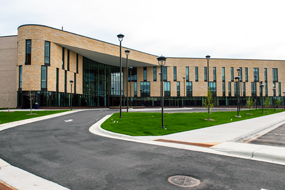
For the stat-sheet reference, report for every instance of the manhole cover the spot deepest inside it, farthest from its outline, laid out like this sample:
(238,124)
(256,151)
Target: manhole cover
(183,181)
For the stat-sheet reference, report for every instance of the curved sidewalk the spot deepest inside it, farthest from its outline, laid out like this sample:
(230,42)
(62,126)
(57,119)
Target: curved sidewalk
(226,139)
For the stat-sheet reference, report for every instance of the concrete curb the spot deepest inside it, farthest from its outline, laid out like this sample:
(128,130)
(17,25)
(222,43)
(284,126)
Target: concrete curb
(251,151)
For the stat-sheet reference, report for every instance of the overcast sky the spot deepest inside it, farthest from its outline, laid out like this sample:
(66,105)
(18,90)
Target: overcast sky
(250,29)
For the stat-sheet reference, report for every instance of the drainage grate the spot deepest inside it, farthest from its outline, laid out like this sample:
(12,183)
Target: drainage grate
(183,181)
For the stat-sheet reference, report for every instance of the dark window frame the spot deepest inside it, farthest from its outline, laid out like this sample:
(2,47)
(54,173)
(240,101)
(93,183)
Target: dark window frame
(47,54)
(154,73)
(44,80)
(174,73)
(28,52)
(196,74)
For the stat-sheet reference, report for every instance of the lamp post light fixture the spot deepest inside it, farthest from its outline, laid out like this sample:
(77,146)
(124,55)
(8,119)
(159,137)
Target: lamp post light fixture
(274,96)
(184,93)
(261,87)
(131,68)
(127,54)
(161,61)
(237,94)
(120,37)
(208,59)
(71,82)
(255,77)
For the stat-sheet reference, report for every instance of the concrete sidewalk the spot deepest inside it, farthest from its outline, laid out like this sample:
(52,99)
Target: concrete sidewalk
(227,139)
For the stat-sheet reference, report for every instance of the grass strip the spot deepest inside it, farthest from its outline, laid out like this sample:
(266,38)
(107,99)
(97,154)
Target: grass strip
(149,124)
(6,117)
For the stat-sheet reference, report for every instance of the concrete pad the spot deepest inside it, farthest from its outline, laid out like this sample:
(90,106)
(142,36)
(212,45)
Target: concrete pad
(23,180)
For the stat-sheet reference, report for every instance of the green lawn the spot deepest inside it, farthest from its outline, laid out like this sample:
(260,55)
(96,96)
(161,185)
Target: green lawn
(6,117)
(149,124)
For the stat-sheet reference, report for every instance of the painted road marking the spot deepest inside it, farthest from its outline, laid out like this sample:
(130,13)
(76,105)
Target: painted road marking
(69,120)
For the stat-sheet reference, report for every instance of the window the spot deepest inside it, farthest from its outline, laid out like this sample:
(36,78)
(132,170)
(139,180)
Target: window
(232,74)
(74,83)
(279,88)
(223,74)
(144,74)
(28,58)
(178,89)
(224,89)
(77,63)
(67,61)
(275,74)
(135,89)
(154,74)
(175,73)
(189,89)
(213,88)
(256,74)
(253,89)
(187,74)
(266,88)
(214,74)
(244,89)
(230,89)
(47,53)
(236,88)
(145,89)
(246,74)
(20,76)
(274,89)
(62,58)
(240,74)
(133,75)
(56,80)
(167,89)
(44,78)
(205,73)
(196,74)
(65,81)
(164,73)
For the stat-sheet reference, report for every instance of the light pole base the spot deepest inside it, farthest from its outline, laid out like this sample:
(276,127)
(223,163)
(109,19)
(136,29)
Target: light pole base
(237,116)
(163,127)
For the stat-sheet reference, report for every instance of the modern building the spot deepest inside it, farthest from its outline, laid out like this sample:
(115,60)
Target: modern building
(44,60)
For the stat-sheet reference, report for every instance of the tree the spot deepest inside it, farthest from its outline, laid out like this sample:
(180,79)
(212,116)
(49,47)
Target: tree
(267,102)
(249,103)
(277,103)
(31,98)
(208,102)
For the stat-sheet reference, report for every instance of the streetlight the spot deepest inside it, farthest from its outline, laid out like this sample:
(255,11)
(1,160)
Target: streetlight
(71,81)
(274,96)
(120,37)
(161,61)
(184,93)
(284,100)
(255,77)
(208,58)
(261,87)
(237,94)
(127,54)
(131,68)
(238,70)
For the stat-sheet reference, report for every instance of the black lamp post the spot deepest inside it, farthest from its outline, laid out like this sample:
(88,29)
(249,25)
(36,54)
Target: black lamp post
(184,93)
(255,80)
(284,99)
(208,58)
(237,94)
(71,82)
(161,61)
(261,87)
(238,70)
(127,54)
(131,68)
(120,37)
(274,96)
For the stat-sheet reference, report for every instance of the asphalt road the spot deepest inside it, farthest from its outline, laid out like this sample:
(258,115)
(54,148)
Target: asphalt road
(275,137)
(68,154)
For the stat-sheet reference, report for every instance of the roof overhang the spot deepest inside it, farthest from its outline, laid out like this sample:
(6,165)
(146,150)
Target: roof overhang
(105,58)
